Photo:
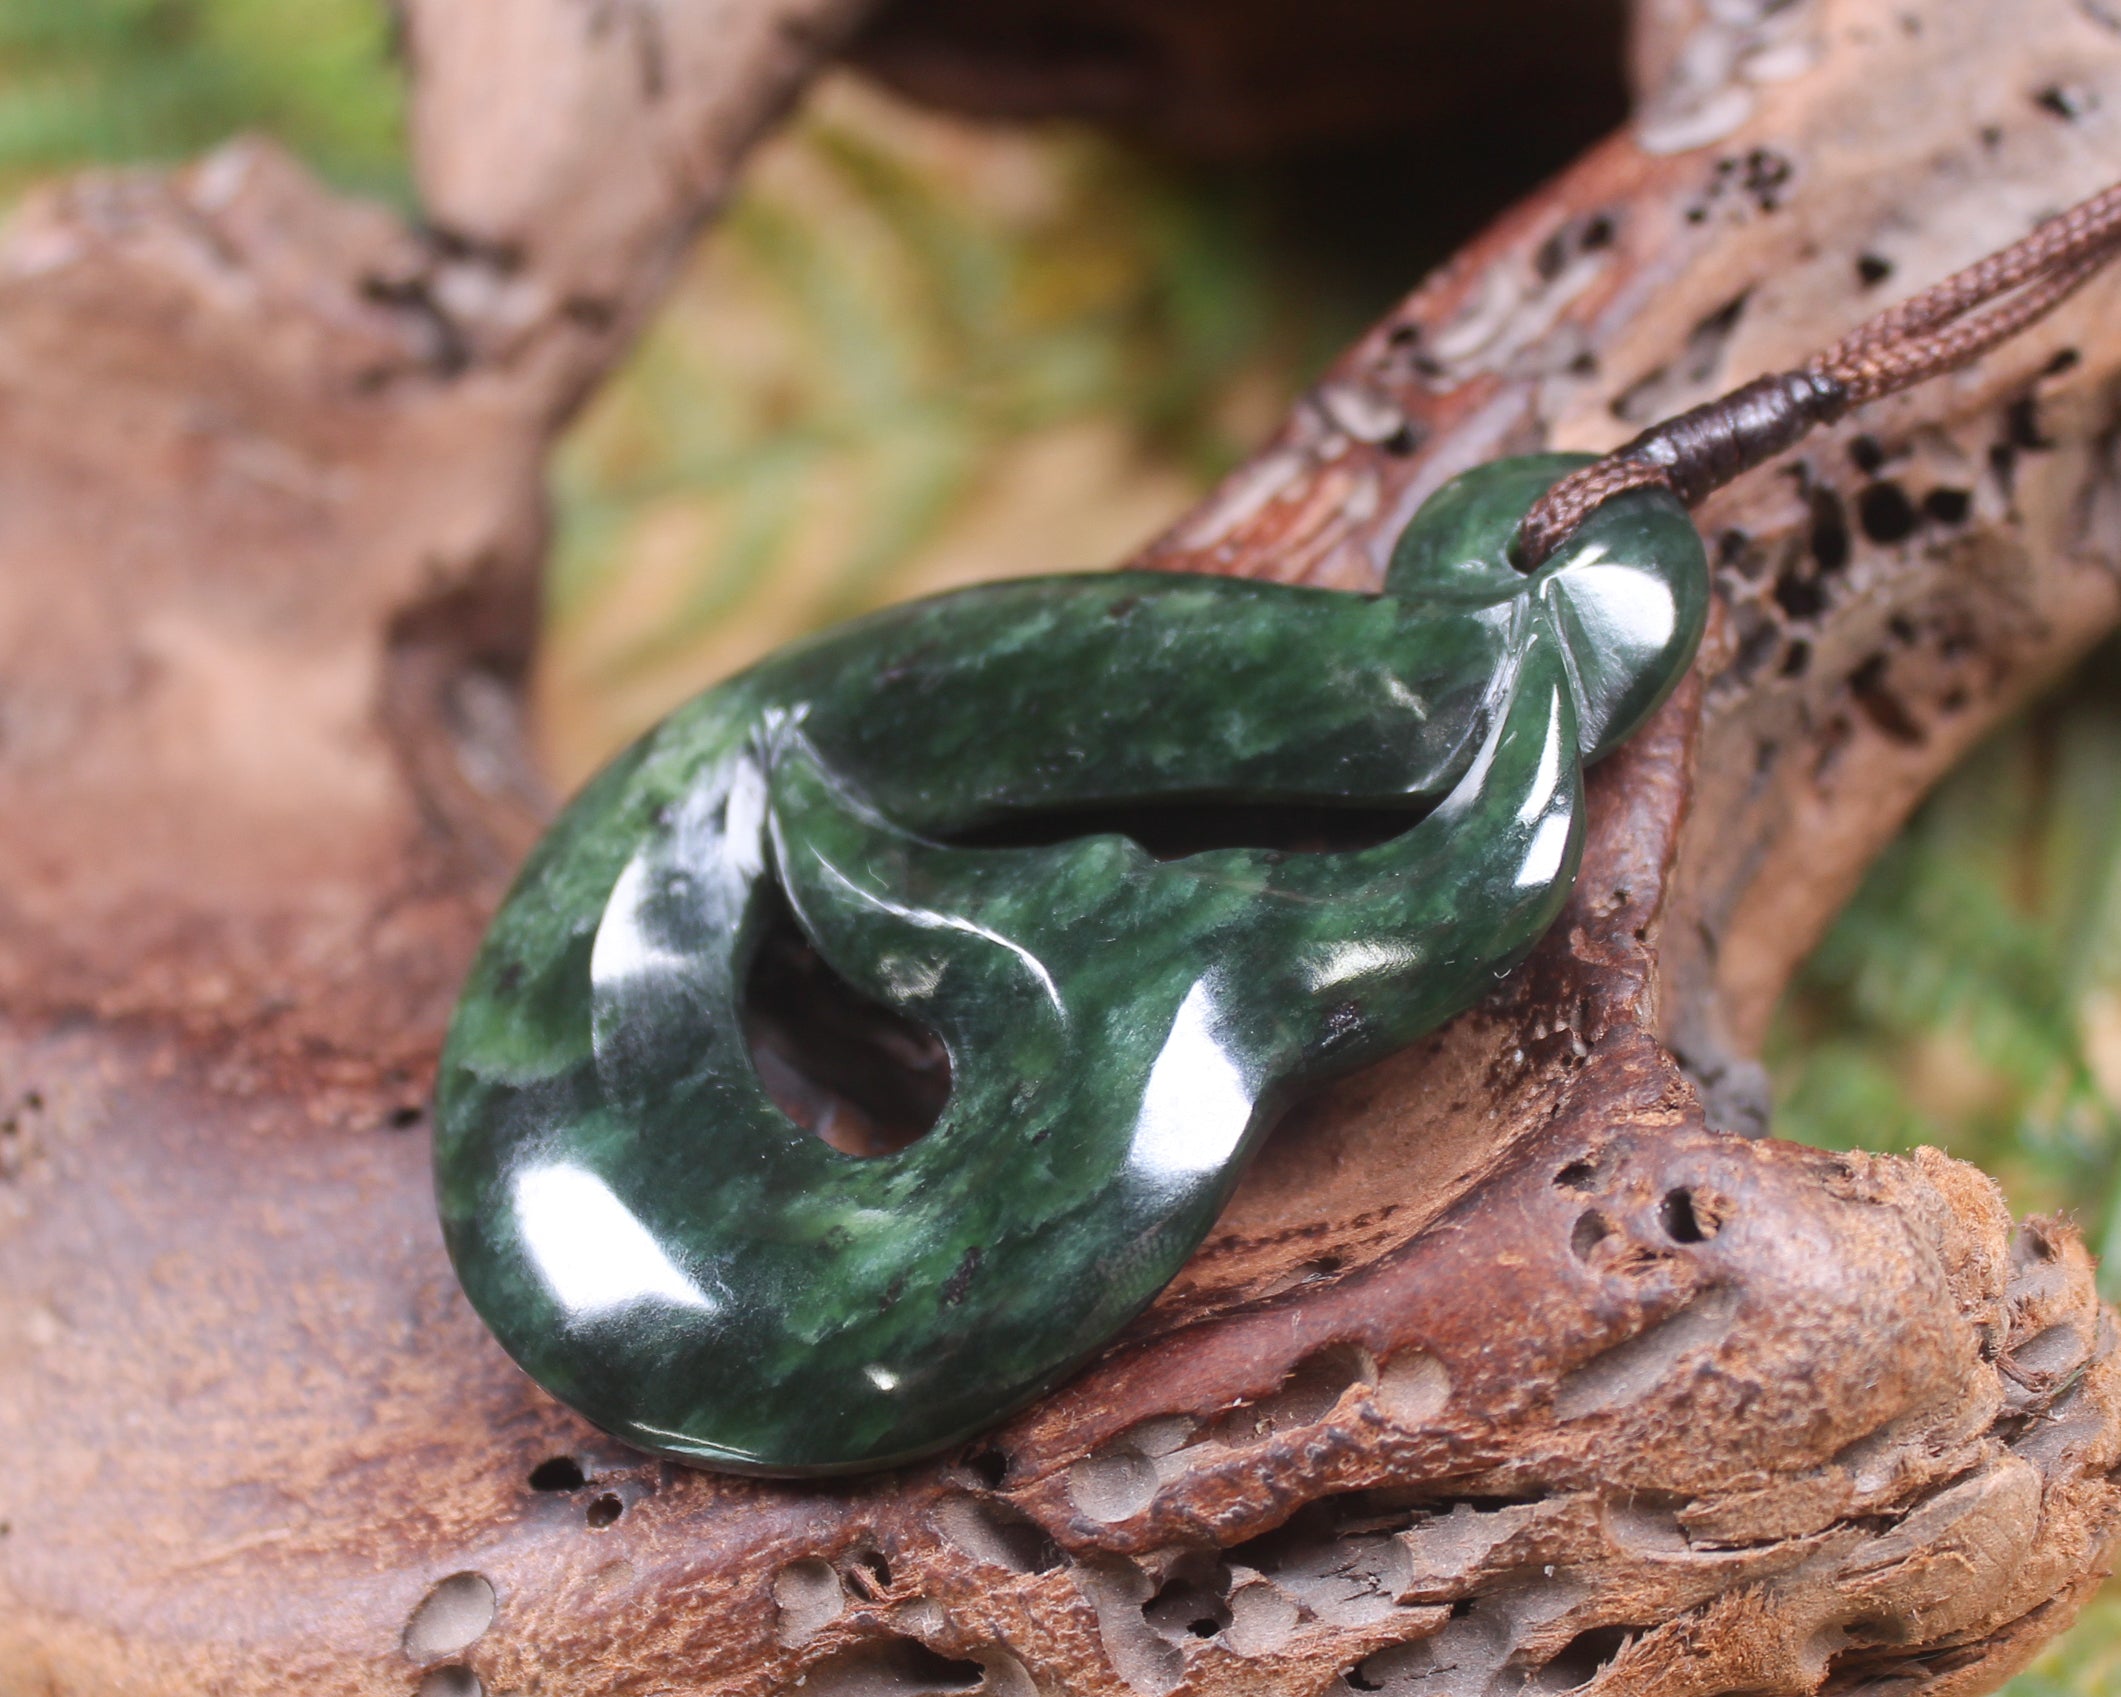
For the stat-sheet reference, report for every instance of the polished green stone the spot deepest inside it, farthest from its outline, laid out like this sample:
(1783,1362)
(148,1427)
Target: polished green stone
(666,1251)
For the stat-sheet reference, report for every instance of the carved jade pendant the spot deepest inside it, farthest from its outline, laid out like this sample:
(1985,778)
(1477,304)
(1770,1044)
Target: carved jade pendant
(664,1249)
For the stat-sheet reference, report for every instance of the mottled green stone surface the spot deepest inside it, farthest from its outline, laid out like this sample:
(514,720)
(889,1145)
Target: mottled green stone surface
(667,1252)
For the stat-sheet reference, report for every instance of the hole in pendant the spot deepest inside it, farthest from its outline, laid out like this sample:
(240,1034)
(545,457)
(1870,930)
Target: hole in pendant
(604,1512)
(858,1074)
(869,1081)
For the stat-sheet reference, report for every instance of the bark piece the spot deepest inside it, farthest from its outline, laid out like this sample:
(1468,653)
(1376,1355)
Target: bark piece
(1502,1365)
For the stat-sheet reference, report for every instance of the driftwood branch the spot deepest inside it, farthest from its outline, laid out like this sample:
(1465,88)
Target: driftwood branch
(1505,1365)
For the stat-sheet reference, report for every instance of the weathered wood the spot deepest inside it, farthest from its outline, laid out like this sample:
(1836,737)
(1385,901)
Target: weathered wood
(1502,1364)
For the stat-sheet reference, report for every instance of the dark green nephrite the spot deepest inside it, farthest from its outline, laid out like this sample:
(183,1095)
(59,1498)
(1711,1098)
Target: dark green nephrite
(666,1251)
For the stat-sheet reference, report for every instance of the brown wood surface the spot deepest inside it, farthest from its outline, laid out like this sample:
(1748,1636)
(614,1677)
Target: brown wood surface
(1503,1366)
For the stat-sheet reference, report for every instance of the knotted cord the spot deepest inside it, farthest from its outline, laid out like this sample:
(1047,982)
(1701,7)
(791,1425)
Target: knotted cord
(1925,336)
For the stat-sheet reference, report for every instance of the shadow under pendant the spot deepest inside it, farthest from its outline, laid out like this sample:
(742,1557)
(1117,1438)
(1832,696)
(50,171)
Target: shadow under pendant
(666,1251)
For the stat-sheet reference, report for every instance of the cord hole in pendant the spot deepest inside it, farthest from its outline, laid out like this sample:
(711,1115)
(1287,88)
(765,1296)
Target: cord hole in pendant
(860,1075)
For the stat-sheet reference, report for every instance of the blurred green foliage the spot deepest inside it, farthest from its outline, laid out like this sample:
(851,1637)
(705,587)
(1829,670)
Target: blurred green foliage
(2086,1662)
(123,81)
(917,333)
(889,320)
(913,354)
(1970,995)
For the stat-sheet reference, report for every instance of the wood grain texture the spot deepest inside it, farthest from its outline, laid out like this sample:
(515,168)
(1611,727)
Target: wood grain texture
(1502,1367)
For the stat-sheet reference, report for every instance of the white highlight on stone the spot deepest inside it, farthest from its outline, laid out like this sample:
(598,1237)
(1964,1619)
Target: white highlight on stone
(1197,1103)
(622,949)
(590,1250)
(1340,962)
(1543,855)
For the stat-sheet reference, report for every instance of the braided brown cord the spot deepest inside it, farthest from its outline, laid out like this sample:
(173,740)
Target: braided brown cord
(1924,336)
(1875,368)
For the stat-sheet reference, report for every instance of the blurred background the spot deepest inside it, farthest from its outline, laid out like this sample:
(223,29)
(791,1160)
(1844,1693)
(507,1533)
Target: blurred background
(920,351)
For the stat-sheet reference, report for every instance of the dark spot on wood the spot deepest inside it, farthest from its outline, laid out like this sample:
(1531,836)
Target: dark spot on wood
(1767,175)
(869,1575)
(447,352)
(1886,514)
(462,245)
(2021,425)
(1800,597)
(1717,326)
(1682,1222)
(2066,359)
(1577,1175)
(1796,659)
(1585,1657)
(1872,269)
(1402,441)
(1591,1229)
(1186,1608)
(1759,635)
(1947,506)
(1829,537)
(1866,455)
(1404,334)
(590,313)
(1881,706)
(989,1466)
(648,53)
(559,1473)
(2066,102)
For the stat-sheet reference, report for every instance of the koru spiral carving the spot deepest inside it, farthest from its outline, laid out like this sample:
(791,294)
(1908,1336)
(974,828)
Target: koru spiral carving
(668,1252)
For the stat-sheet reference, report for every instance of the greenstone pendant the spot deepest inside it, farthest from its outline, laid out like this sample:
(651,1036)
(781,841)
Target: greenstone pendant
(666,1251)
